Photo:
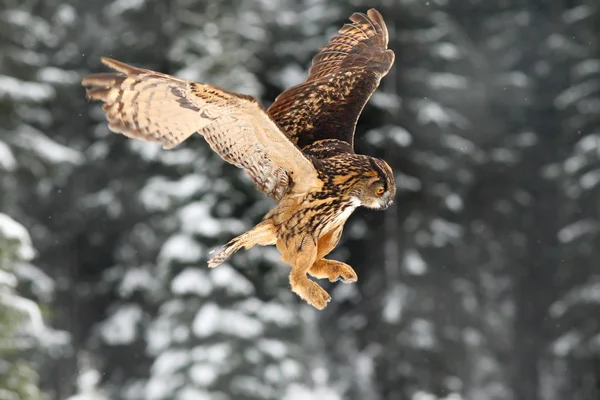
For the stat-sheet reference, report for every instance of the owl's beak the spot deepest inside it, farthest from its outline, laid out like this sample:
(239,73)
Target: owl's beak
(388,202)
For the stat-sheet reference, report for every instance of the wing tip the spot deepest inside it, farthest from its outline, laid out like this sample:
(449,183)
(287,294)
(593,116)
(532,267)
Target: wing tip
(374,18)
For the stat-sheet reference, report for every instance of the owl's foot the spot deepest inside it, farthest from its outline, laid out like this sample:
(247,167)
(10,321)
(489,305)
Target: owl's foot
(333,270)
(309,291)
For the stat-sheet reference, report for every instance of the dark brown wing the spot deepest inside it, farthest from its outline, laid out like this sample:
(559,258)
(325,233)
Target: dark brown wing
(155,107)
(342,78)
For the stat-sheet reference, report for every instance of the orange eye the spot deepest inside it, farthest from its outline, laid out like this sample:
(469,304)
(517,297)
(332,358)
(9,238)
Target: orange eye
(380,191)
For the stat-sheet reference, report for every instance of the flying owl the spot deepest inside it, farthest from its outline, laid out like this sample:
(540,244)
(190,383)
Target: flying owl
(299,152)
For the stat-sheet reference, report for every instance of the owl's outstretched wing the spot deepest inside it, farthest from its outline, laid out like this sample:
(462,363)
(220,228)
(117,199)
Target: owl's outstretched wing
(155,107)
(342,78)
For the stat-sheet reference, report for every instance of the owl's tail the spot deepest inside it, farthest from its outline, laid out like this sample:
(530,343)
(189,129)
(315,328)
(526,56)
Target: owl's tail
(263,234)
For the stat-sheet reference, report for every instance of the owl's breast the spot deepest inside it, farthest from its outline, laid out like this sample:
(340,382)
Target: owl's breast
(311,215)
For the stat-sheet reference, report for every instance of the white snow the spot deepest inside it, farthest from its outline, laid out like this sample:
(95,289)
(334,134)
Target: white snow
(159,192)
(34,325)
(192,393)
(587,67)
(206,322)
(421,334)
(215,354)
(273,347)
(87,383)
(291,75)
(386,101)
(192,281)
(203,374)
(453,202)
(590,179)
(576,93)
(46,148)
(429,111)
(446,80)
(12,230)
(57,76)
(162,387)
(565,344)
(589,143)
(578,229)
(118,7)
(121,327)
(180,248)
(171,361)
(7,279)
(136,279)
(460,144)
(577,13)
(196,218)
(396,134)
(270,312)
(446,50)
(420,395)
(513,78)
(395,299)
(210,319)
(7,159)
(231,281)
(414,263)
(444,231)
(300,392)
(19,90)
(41,284)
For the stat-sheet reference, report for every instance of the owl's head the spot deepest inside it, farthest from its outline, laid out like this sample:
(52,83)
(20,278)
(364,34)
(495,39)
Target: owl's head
(376,187)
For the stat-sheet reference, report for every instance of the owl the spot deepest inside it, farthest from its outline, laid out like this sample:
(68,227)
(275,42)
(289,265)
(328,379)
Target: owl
(299,151)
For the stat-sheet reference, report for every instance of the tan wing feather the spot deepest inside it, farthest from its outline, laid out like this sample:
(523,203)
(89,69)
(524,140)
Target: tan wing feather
(155,107)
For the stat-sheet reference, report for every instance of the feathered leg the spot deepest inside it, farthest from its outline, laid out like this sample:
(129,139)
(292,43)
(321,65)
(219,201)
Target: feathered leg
(330,269)
(262,234)
(301,254)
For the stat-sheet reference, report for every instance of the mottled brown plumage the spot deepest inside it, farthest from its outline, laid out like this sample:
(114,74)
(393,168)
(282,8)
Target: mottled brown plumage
(299,151)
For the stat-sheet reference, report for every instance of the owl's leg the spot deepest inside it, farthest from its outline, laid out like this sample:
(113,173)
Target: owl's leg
(263,234)
(301,255)
(330,269)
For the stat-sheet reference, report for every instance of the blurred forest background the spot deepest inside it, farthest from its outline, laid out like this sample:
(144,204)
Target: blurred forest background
(481,283)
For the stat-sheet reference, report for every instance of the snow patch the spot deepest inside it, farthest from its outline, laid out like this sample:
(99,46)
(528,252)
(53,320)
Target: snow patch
(12,230)
(7,159)
(396,134)
(414,263)
(564,345)
(272,347)
(180,248)
(191,281)
(159,192)
(192,393)
(231,281)
(118,7)
(578,229)
(446,50)
(196,219)
(19,90)
(135,279)
(57,76)
(41,284)
(121,327)
(171,361)
(203,374)
(46,148)
(210,319)
(300,392)
(447,80)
